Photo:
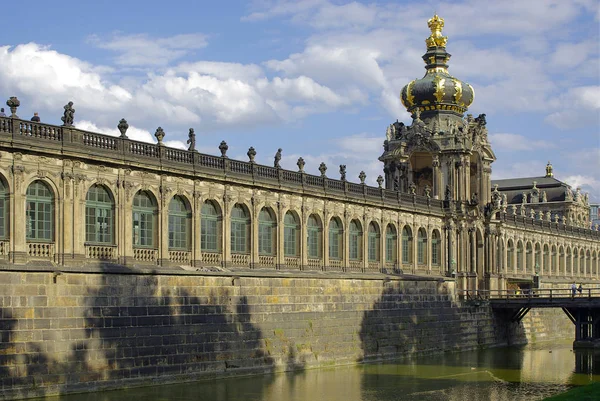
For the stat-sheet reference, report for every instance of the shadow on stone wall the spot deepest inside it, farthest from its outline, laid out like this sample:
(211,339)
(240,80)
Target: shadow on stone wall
(133,329)
(409,320)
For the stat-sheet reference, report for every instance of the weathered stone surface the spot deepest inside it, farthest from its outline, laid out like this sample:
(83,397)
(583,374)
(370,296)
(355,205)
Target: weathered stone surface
(95,331)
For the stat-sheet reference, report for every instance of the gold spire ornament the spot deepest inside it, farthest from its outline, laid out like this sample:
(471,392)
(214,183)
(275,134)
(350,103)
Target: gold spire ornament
(436,39)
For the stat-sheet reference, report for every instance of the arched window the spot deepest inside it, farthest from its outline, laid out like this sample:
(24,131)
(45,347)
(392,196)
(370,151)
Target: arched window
(144,220)
(569,261)
(240,230)
(40,212)
(99,216)
(407,240)
(421,247)
(588,260)
(210,227)
(315,237)
(553,259)
(291,235)
(520,256)
(561,260)
(266,232)
(374,241)
(391,243)
(537,262)
(336,235)
(355,240)
(575,261)
(510,254)
(179,224)
(4,210)
(528,257)
(581,262)
(435,248)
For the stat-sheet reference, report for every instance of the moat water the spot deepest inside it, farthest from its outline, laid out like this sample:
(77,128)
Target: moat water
(501,374)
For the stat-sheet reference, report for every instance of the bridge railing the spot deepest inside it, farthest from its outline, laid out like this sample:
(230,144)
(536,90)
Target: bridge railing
(547,293)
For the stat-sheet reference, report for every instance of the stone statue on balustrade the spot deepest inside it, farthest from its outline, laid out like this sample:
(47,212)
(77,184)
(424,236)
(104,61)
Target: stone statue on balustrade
(69,115)
(342,172)
(412,188)
(192,141)
(277,158)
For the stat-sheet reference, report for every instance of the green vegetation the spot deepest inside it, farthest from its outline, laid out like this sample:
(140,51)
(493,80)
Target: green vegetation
(591,392)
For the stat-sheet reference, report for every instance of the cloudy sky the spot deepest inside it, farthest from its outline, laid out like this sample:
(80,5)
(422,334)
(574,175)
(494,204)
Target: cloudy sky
(318,78)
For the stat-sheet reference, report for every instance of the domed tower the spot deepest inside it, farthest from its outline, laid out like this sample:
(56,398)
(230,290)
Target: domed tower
(441,153)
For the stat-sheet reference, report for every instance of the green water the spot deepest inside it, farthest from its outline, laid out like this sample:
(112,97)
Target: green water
(501,374)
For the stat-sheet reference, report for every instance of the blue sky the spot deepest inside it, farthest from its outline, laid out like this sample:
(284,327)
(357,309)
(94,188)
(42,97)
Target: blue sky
(318,78)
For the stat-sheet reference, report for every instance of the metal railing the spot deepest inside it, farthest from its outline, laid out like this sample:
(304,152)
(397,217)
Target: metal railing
(537,293)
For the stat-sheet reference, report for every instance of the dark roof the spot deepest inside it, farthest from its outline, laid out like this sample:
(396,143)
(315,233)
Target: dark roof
(526,182)
(514,188)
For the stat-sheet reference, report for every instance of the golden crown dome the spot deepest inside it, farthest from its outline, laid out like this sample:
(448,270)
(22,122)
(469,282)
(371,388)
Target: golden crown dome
(437,90)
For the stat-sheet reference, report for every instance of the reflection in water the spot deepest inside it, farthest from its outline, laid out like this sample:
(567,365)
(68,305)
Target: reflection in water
(501,374)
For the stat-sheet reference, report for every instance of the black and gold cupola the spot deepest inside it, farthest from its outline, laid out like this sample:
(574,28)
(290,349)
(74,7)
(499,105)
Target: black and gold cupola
(437,91)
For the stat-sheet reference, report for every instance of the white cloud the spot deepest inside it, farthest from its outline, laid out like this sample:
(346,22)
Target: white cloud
(578,107)
(586,183)
(517,142)
(143,50)
(133,133)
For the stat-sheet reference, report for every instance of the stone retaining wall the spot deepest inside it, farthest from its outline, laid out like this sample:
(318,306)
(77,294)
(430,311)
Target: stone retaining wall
(64,332)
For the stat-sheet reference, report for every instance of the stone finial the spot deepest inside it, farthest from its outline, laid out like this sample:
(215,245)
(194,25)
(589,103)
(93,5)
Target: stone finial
(524,198)
(251,154)
(13,103)
(544,197)
(513,210)
(540,215)
(223,148)
(191,140)
(532,213)
(68,115)
(549,170)
(300,163)
(596,227)
(548,216)
(159,134)
(277,158)
(342,172)
(123,126)
(323,169)
(362,177)
(380,181)
(556,218)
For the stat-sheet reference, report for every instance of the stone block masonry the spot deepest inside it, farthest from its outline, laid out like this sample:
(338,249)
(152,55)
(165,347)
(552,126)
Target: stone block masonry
(76,331)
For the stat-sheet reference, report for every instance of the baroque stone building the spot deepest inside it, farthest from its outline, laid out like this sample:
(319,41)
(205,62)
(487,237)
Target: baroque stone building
(69,197)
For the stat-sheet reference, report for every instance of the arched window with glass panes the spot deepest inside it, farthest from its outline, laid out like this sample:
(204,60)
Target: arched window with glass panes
(519,256)
(144,220)
(422,247)
(391,241)
(99,216)
(210,227)
(180,217)
(314,237)
(569,261)
(336,236)
(407,241)
(40,212)
(575,261)
(374,241)
(240,230)
(553,259)
(291,235)
(355,240)
(4,210)
(561,260)
(510,255)
(435,248)
(267,232)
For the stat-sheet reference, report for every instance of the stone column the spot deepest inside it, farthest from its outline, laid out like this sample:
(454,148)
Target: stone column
(467,178)
(163,228)
(472,251)
(198,201)
(437,190)
(280,256)
(228,204)
(325,239)
(254,256)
